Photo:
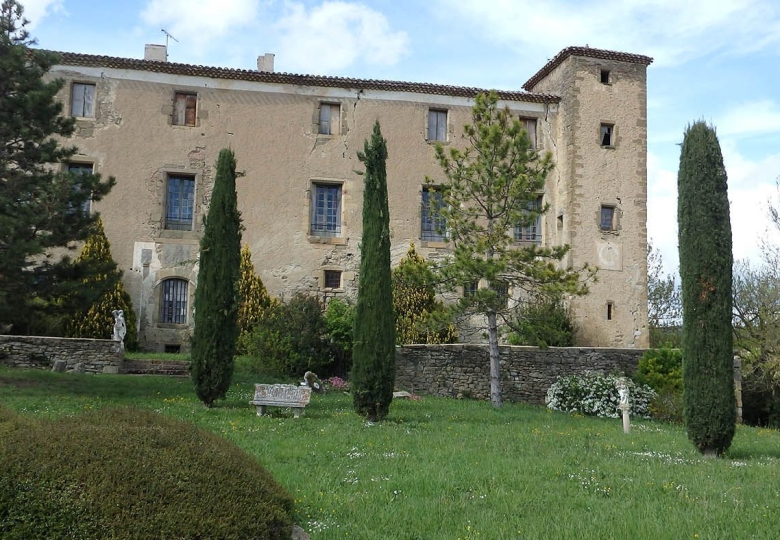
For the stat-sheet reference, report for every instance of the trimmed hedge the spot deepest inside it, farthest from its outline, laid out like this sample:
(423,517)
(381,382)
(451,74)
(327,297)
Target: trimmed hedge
(132,474)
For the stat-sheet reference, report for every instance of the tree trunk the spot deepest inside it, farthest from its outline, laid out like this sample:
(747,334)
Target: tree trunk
(495,365)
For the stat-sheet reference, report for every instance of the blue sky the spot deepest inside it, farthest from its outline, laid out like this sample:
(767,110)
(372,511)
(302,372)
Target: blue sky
(715,60)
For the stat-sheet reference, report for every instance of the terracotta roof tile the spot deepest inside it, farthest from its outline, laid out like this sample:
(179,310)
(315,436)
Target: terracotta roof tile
(90,60)
(601,54)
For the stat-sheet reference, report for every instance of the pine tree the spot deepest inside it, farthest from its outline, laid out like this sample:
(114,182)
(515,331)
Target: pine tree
(492,187)
(98,322)
(253,298)
(373,352)
(419,317)
(39,204)
(216,295)
(705,268)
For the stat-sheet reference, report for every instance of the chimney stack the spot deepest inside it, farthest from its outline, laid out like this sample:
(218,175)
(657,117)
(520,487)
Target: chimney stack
(266,62)
(156,53)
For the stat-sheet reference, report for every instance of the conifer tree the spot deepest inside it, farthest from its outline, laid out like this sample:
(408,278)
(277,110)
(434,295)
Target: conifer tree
(373,352)
(491,188)
(216,295)
(253,298)
(419,317)
(705,268)
(98,322)
(39,204)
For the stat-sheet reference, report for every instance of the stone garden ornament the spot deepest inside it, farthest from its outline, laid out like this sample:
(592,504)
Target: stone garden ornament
(120,329)
(622,387)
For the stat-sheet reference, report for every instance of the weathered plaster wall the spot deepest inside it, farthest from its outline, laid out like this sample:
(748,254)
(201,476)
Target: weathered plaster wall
(526,372)
(96,355)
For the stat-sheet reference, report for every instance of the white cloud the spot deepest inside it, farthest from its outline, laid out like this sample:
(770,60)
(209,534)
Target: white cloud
(751,118)
(197,23)
(669,30)
(36,10)
(334,35)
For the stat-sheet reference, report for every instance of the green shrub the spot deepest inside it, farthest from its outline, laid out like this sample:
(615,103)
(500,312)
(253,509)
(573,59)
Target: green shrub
(667,406)
(291,338)
(660,369)
(133,474)
(542,321)
(594,394)
(340,323)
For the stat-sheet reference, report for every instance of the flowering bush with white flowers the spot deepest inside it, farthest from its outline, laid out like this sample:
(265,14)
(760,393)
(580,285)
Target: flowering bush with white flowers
(595,394)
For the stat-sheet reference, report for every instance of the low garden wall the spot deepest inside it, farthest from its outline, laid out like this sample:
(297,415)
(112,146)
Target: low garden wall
(463,370)
(94,355)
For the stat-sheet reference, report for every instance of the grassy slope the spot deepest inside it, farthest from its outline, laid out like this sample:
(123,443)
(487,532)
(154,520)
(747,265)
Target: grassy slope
(449,469)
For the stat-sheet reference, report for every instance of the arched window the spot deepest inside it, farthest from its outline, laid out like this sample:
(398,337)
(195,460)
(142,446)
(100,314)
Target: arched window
(173,301)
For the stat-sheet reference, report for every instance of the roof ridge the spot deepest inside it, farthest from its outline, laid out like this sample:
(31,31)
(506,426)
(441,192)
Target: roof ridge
(175,68)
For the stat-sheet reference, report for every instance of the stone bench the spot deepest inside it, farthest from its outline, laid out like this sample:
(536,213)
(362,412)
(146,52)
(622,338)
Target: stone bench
(281,395)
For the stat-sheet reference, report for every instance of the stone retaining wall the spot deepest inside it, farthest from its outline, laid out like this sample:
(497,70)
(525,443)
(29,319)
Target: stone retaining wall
(526,372)
(95,355)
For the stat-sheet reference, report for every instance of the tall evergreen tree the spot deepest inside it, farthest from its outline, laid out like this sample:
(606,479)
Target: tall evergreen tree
(705,268)
(492,187)
(98,322)
(39,204)
(373,351)
(216,296)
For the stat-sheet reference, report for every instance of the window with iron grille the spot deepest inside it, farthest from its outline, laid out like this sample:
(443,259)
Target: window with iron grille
(326,210)
(332,279)
(82,168)
(173,301)
(329,119)
(179,203)
(82,100)
(434,225)
(531,232)
(437,125)
(184,109)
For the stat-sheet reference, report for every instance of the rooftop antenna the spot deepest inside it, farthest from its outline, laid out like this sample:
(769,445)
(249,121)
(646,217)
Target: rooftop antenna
(167,35)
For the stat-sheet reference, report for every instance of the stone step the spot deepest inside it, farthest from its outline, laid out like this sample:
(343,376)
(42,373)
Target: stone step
(171,368)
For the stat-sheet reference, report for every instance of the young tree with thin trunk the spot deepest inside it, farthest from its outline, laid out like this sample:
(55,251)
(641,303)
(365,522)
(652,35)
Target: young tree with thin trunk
(373,351)
(705,268)
(41,207)
(491,188)
(216,296)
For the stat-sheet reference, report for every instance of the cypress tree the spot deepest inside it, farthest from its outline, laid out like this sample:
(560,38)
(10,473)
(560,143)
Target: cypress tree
(373,352)
(216,296)
(705,268)
(97,322)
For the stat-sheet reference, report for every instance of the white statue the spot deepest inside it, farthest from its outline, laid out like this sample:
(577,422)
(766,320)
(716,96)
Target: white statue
(119,325)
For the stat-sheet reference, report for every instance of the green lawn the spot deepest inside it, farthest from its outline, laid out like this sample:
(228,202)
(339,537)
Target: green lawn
(446,469)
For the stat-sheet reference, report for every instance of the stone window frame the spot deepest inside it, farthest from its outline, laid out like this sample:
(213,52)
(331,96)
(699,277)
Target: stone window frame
(334,128)
(534,121)
(85,84)
(181,119)
(164,275)
(612,130)
(340,237)
(430,237)
(605,76)
(615,218)
(323,278)
(194,232)
(77,163)
(610,312)
(435,130)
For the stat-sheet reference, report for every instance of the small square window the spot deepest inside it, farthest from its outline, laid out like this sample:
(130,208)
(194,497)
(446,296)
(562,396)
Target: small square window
(604,76)
(82,168)
(437,125)
(329,119)
(607,135)
(332,279)
(326,210)
(607,218)
(470,289)
(530,127)
(433,223)
(82,101)
(184,108)
(180,203)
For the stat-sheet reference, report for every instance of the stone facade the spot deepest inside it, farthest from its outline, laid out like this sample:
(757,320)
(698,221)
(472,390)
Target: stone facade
(526,372)
(35,352)
(296,138)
